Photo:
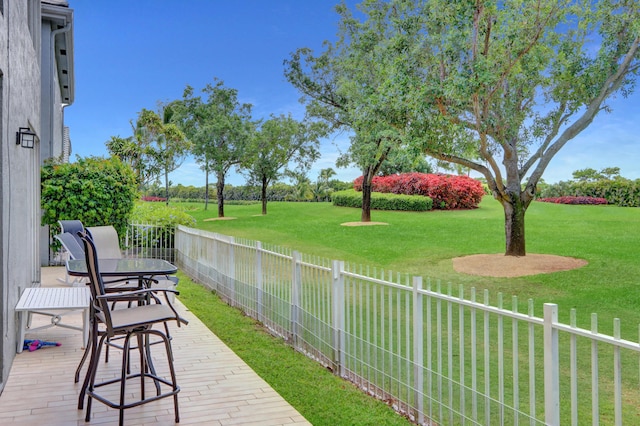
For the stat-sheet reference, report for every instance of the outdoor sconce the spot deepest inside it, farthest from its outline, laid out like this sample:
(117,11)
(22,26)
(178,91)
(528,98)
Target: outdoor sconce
(26,137)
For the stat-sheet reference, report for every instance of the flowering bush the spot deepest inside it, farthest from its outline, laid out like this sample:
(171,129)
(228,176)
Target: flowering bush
(447,191)
(569,199)
(151,198)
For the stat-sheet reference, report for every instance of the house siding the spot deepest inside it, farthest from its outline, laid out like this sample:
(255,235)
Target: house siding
(20,104)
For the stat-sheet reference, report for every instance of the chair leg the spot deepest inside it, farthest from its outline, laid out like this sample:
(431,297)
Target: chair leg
(143,364)
(91,377)
(123,377)
(87,350)
(93,359)
(172,372)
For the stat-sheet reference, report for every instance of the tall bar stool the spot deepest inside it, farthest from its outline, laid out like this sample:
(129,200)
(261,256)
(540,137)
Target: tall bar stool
(131,322)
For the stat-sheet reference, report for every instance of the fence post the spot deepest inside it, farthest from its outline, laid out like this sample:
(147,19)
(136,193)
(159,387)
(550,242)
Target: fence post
(231,272)
(551,366)
(418,352)
(337,286)
(296,284)
(259,289)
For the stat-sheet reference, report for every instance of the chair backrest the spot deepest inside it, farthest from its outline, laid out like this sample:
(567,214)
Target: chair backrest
(72,227)
(100,306)
(106,241)
(71,245)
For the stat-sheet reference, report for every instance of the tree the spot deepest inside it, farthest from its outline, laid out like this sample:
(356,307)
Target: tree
(279,141)
(301,190)
(592,175)
(322,189)
(403,161)
(220,129)
(352,86)
(587,175)
(156,148)
(511,82)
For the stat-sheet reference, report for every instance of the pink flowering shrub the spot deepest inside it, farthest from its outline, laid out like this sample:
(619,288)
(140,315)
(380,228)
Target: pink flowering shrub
(570,199)
(151,198)
(447,191)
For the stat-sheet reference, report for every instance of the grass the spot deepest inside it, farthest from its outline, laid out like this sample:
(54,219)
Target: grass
(424,243)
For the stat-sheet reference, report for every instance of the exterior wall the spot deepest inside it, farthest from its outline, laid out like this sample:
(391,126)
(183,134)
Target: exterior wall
(19,167)
(56,28)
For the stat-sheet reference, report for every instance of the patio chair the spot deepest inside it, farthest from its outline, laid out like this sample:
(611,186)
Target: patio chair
(74,251)
(131,322)
(72,227)
(108,244)
(106,240)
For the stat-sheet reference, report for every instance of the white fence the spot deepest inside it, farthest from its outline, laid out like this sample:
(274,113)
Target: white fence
(149,240)
(436,357)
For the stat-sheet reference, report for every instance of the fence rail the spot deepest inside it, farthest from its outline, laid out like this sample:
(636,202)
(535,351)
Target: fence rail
(436,357)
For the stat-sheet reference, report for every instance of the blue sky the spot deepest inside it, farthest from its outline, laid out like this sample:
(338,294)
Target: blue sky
(130,55)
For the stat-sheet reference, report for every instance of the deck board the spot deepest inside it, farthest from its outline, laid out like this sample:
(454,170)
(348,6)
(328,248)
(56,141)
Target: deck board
(217,387)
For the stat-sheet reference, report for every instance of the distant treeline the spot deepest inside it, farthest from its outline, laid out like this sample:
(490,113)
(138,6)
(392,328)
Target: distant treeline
(278,192)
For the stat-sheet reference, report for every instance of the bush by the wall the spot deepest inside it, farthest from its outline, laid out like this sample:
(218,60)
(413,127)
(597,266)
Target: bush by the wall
(95,190)
(380,201)
(446,191)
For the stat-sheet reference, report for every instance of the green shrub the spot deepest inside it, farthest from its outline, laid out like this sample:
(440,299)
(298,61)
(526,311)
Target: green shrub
(161,214)
(95,190)
(155,237)
(621,192)
(383,201)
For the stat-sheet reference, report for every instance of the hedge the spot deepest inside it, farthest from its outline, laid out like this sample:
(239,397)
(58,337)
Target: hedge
(621,192)
(380,201)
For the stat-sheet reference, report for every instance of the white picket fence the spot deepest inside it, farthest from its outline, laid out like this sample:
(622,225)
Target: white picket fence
(436,357)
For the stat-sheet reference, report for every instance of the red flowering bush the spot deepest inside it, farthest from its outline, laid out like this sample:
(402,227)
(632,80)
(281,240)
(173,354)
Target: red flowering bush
(150,198)
(569,199)
(447,191)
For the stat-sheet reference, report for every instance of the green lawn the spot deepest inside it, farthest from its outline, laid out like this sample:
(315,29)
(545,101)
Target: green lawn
(424,243)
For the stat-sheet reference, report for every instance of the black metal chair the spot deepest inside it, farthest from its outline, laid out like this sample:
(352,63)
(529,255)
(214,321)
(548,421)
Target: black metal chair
(130,322)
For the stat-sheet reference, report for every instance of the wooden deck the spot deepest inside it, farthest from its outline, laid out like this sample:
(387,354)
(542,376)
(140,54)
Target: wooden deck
(217,387)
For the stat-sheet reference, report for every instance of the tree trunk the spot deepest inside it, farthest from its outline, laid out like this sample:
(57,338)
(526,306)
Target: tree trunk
(366,201)
(264,195)
(514,210)
(166,186)
(220,192)
(206,190)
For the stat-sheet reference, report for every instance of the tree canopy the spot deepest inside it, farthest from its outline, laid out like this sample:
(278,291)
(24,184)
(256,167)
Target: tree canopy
(220,128)
(279,141)
(156,148)
(496,87)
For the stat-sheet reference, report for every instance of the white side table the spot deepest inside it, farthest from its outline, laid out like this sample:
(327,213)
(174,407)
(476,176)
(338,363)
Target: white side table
(48,301)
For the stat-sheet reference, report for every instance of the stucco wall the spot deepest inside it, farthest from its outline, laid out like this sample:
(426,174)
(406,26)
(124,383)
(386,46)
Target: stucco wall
(19,167)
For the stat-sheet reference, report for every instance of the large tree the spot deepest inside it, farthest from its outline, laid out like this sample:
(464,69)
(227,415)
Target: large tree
(501,87)
(279,141)
(349,86)
(220,128)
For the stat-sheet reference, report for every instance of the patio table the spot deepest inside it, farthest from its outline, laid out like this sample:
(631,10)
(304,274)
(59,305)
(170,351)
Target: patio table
(143,269)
